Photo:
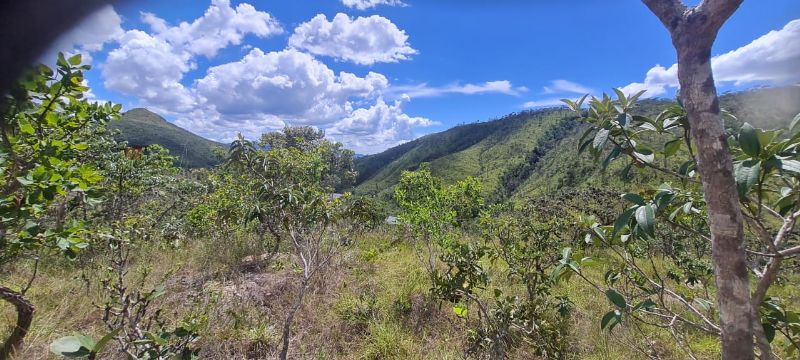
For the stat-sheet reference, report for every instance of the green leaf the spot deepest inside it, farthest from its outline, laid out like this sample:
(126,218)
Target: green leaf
(687,207)
(645,155)
(645,217)
(636,96)
(769,331)
(646,304)
(747,174)
(765,138)
(748,140)
(86,342)
(634,198)
(75,59)
(786,204)
(623,221)
(498,293)
(794,123)
(583,146)
(612,276)
(664,198)
(61,61)
(703,303)
(672,147)
(558,273)
(686,168)
(624,120)
(25,181)
(600,232)
(571,104)
(72,346)
(616,298)
(790,166)
(612,156)
(621,96)
(66,344)
(611,319)
(600,139)
(460,310)
(25,127)
(566,254)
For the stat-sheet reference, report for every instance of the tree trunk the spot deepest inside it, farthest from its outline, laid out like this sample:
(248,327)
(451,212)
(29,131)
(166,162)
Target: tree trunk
(693,32)
(24,318)
(699,97)
(287,326)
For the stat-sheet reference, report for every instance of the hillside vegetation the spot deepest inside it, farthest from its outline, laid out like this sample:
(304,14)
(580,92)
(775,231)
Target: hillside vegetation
(534,152)
(141,127)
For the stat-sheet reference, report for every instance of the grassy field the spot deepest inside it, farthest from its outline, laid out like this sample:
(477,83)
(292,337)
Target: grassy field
(373,303)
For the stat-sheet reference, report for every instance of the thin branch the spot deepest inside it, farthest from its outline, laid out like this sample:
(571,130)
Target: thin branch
(33,276)
(770,273)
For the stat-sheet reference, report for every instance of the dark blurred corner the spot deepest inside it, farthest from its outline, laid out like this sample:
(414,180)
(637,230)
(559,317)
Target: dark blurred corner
(28,27)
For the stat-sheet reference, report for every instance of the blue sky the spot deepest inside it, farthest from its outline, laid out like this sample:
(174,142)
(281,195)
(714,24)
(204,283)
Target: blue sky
(376,73)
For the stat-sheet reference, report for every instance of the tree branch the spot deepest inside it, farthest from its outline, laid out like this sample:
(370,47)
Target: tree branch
(717,12)
(668,11)
(790,251)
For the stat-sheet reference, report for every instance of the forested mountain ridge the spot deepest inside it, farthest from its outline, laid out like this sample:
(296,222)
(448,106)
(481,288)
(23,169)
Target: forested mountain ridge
(142,127)
(535,152)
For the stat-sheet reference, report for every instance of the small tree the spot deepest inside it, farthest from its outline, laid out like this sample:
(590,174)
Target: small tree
(460,268)
(431,210)
(340,173)
(45,136)
(290,198)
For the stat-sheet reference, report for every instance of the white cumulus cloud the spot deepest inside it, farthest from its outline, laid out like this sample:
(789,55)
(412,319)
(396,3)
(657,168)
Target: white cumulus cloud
(489,87)
(151,66)
(361,40)
(103,26)
(289,84)
(220,26)
(266,91)
(369,130)
(150,69)
(225,128)
(368,4)
(772,59)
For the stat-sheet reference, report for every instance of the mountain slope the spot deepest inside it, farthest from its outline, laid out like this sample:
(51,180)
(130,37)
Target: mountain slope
(483,150)
(535,152)
(141,127)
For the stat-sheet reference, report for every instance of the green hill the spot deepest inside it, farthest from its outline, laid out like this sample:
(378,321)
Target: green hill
(535,152)
(141,127)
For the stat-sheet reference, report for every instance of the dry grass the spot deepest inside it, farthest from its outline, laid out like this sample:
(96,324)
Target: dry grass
(371,304)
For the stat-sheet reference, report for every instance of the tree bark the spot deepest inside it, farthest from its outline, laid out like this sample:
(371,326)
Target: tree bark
(25,310)
(287,326)
(693,31)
